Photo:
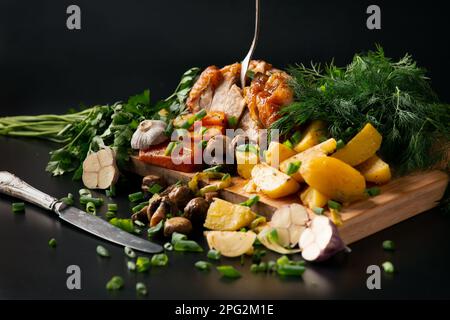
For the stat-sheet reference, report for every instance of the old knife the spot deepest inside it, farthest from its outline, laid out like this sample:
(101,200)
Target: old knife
(15,187)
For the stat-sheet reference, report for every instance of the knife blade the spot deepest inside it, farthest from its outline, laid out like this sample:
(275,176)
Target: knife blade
(15,187)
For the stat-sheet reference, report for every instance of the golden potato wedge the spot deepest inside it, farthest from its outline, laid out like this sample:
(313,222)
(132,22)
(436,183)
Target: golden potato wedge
(226,216)
(375,170)
(313,198)
(334,178)
(276,153)
(272,182)
(313,133)
(361,147)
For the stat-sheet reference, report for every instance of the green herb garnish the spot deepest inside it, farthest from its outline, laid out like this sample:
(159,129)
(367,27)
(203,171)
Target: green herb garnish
(176,236)
(135,197)
(228,272)
(156,188)
(139,206)
(250,201)
(110,214)
(151,232)
(388,267)
(293,167)
(318,211)
(202,265)
(160,260)
(394,96)
(374,191)
(141,289)
(18,207)
(389,245)
(296,137)
(187,246)
(96,201)
(124,224)
(290,270)
(340,144)
(68,200)
(102,251)
(142,264)
(334,205)
(116,283)
(217,168)
(168,246)
(112,206)
(129,252)
(131,266)
(213,255)
(52,243)
(232,121)
(90,208)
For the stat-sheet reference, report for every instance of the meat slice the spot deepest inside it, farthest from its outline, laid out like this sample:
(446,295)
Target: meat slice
(259,66)
(249,126)
(266,95)
(201,94)
(228,96)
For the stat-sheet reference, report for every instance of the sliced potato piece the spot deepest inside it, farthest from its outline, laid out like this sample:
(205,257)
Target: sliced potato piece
(320,150)
(272,182)
(226,216)
(313,133)
(100,170)
(375,170)
(334,178)
(231,243)
(245,163)
(313,198)
(361,147)
(276,153)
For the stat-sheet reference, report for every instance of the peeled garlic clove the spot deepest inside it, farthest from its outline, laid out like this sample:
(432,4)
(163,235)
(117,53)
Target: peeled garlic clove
(299,215)
(281,218)
(148,133)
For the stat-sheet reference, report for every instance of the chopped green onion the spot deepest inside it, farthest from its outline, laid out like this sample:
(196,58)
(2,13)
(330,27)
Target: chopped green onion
(242,260)
(129,252)
(232,121)
(141,289)
(340,144)
(374,191)
(243,229)
(116,283)
(318,211)
(188,123)
(203,144)
(213,254)
(18,207)
(139,207)
(272,266)
(256,222)
(389,245)
(135,197)
(290,270)
(176,236)
(139,223)
(296,137)
(213,169)
(102,251)
(112,206)
(168,246)
(96,201)
(170,148)
(84,193)
(228,272)
(151,232)
(187,246)
(226,176)
(131,266)
(250,201)
(334,205)
(250,74)
(257,255)
(322,139)
(68,200)
(283,260)
(52,243)
(388,267)
(200,115)
(160,260)
(110,214)
(142,264)
(90,208)
(293,167)
(124,224)
(111,192)
(254,268)
(247,148)
(202,265)
(273,235)
(288,144)
(203,130)
(156,188)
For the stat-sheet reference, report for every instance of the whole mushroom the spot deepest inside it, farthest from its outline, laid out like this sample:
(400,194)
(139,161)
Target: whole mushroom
(151,180)
(196,210)
(177,224)
(180,196)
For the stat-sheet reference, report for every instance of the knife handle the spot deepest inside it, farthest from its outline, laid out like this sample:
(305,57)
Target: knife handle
(17,188)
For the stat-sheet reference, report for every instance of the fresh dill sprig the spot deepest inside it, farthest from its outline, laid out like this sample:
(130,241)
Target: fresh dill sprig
(395,96)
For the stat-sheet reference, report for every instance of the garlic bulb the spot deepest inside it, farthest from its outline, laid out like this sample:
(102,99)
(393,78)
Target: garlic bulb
(148,133)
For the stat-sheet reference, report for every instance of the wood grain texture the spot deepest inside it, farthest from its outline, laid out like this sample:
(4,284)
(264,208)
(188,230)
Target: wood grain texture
(400,199)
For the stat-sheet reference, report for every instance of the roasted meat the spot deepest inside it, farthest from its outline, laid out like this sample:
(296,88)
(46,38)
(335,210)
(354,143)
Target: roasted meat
(266,95)
(201,94)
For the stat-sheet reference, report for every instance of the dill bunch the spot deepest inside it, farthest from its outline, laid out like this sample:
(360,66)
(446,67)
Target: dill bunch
(394,96)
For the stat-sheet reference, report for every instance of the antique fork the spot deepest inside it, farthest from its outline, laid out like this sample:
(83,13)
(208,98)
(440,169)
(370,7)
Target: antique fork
(245,63)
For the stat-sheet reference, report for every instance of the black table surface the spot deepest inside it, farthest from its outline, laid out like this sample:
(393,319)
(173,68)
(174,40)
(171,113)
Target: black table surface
(124,48)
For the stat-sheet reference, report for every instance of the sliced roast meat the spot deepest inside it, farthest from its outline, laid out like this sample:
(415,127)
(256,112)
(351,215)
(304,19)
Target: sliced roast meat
(201,93)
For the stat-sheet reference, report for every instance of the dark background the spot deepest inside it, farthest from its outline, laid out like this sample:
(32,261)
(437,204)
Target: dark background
(125,47)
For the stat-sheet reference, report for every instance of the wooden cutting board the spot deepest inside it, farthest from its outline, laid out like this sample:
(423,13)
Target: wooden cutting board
(399,200)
